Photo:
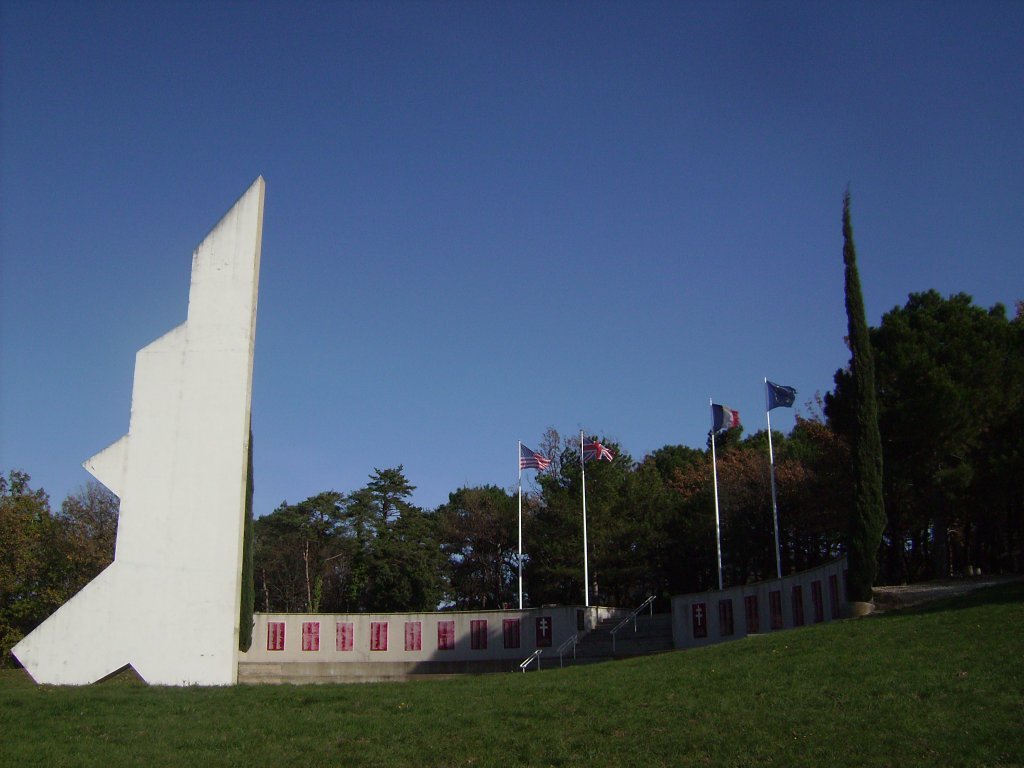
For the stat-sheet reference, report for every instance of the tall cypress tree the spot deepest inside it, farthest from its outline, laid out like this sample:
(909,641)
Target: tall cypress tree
(248,602)
(867,520)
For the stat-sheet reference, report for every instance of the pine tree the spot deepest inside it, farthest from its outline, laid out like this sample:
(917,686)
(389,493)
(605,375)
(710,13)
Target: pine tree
(248,602)
(868,517)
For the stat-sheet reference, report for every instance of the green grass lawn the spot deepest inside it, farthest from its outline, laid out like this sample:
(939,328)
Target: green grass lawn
(939,686)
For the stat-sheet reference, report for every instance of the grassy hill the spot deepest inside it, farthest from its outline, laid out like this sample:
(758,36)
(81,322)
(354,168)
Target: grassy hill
(938,685)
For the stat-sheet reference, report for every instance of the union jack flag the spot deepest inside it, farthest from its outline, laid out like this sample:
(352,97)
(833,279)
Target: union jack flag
(597,451)
(531,459)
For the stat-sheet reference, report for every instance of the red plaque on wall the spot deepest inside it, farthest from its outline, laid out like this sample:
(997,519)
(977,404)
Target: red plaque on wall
(311,635)
(752,612)
(775,608)
(378,635)
(343,636)
(817,602)
(414,636)
(544,631)
(700,619)
(478,634)
(445,635)
(275,636)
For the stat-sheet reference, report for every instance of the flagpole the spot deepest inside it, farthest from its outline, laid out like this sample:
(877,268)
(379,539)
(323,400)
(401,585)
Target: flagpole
(718,527)
(583,481)
(771,463)
(519,459)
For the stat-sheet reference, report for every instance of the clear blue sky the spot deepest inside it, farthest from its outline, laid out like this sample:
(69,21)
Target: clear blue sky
(486,218)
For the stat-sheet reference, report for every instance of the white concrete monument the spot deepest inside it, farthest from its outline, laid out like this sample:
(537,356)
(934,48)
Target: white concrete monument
(168,605)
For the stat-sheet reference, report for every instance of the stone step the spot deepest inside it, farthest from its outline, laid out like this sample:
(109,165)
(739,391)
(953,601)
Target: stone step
(622,647)
(652,634)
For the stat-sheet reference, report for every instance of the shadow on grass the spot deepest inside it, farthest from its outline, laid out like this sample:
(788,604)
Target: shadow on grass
(999,594)
(18,677)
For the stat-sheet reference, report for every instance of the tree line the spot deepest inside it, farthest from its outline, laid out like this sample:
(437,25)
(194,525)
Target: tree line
(950,402)
(47,556)
(949,379)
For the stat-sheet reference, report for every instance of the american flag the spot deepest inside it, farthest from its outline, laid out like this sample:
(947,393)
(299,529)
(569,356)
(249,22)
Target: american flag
(597,451)
(531,459)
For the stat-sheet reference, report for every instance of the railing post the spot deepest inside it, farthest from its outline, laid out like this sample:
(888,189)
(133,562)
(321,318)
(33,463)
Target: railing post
(561,649)
(648,602)
(526,662)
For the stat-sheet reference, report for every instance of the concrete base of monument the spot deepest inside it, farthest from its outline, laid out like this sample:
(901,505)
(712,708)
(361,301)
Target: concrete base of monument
(302,673)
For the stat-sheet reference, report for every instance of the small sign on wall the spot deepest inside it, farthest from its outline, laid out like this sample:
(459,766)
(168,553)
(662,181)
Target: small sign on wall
(344,635)
(699,613)
(752,613)
(510,630)
(413,636)
(775,608)
(445,635)
(275,636)
(478,634)
(545,630)
(833,595)
(311,635)
(798,606)
(725,625)
(378,635)
(818,602)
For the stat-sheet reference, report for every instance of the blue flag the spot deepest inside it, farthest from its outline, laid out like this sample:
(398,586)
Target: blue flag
(780,396)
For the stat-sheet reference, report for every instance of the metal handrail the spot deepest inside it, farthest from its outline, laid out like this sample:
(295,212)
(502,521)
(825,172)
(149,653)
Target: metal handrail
(561,649)
(632,616)
(535,655)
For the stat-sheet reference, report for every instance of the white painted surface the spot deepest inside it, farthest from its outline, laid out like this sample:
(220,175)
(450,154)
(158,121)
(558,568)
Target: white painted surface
(169,603)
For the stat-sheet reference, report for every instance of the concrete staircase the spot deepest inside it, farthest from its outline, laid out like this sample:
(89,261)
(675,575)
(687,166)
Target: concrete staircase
(653,635)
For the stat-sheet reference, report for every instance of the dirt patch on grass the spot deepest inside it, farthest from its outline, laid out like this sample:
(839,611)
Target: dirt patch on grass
(906,595)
